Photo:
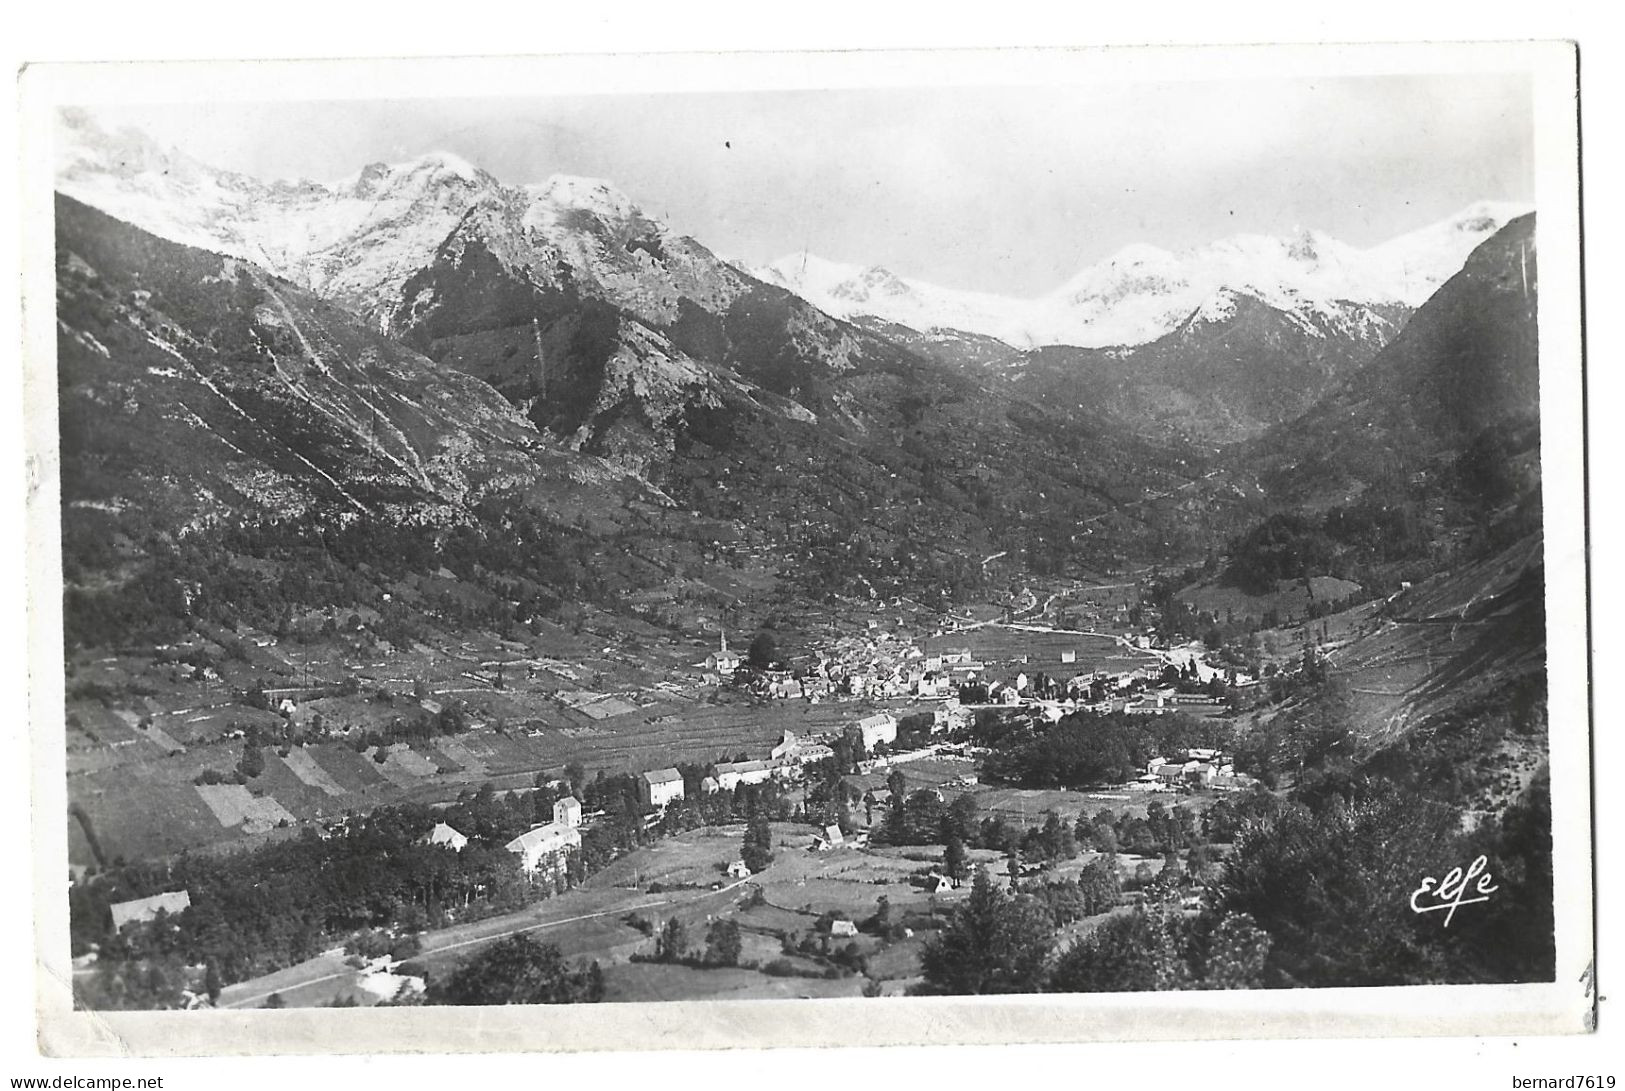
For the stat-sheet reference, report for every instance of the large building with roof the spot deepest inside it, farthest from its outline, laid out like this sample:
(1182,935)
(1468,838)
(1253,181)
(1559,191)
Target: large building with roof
(658,787)
(145,909)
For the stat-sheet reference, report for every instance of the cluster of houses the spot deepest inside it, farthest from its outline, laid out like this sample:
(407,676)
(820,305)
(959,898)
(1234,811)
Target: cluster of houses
(542,850)
(1163,701)
(660,787)
(1200,768)
(907,672)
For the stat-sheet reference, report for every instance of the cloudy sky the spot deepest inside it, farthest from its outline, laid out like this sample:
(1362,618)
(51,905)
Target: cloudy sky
(1008,190)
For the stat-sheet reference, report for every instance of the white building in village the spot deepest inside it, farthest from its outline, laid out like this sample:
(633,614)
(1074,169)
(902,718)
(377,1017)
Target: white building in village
(732,774)
(442,834)
(145,909)
(658,787)
(542,850)
(567,812)
(722,661)
(879,728)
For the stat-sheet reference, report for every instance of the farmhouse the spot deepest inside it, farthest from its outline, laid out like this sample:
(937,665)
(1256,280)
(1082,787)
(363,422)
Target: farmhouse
(541,849)
(1198,773)
(933,883)
(795,750)
(738,870)
(145,909)
(879,728)
(443,834)
(840,928)
(660,786)
(1170,773)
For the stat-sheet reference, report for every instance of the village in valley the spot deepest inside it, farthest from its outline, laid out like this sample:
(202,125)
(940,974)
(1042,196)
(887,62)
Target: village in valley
(480,590)
(824,738)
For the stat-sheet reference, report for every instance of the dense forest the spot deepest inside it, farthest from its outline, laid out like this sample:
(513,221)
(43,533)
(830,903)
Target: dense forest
(1313,889)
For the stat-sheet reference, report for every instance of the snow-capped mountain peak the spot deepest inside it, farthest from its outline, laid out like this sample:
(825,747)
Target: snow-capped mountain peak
(424,172)
(1140,255)
(567,191)
(358,240)
(1143,292)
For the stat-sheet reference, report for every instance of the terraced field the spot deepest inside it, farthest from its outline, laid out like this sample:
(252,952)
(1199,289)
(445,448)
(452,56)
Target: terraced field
(302,764)
(235,805)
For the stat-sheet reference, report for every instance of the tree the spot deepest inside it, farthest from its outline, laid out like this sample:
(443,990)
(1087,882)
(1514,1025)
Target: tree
(993,943)
(1322,886)
(1236,954)
(1144,951)
(961,816)
(252,763)
(516,970)
(757,852)
(1199,861)
(722,943)
(882,917)
(211,982)
(1098,886)
(1059,842)
(1066,903)
(953,859)
(764,651)
(595,983)
(672,943)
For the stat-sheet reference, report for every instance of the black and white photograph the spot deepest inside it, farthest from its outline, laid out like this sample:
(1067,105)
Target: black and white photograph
(1050,529)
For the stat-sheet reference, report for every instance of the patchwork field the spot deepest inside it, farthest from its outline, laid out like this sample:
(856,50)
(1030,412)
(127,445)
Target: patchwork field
(235,805)
(303,765)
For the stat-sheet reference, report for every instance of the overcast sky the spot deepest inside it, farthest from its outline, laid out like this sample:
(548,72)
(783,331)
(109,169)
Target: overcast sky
(1007,190)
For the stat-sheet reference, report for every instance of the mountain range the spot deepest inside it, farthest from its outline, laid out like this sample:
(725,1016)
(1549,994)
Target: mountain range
(416,338)
(437,404)
(287,337)
(1208,346)
(1143,293)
